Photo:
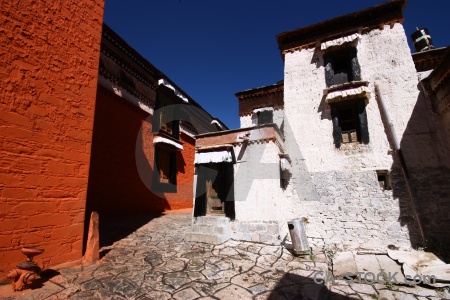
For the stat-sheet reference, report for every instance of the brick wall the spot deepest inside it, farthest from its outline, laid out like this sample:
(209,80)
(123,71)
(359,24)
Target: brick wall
(48,73)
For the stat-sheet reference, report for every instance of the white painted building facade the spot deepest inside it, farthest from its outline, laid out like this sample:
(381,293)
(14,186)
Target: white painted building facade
(348,177)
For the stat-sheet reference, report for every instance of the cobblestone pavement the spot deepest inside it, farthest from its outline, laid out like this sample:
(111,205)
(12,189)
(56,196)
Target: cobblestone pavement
(156,263)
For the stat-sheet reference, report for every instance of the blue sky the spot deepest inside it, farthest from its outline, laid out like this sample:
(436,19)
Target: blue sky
(213,49)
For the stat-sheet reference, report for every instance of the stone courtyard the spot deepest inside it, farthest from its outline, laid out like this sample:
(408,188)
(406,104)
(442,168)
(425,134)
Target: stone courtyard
(155,262)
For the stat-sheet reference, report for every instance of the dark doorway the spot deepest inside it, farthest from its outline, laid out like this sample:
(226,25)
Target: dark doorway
(214,193)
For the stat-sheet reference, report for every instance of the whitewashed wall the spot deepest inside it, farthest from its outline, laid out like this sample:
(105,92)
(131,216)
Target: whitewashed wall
(341,198)
(259,200)
(250,120)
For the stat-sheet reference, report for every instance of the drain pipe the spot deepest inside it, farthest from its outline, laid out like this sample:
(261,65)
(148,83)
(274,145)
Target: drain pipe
(398,151)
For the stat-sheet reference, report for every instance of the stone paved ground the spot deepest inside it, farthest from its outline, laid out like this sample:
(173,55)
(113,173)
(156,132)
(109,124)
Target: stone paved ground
(156,263)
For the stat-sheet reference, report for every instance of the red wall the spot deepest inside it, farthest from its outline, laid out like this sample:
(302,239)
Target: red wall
(122,162)
(115,185)
(183,198)
(48,76)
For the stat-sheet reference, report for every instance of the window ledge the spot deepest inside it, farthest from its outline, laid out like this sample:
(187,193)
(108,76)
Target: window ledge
(347,91)
(164,134)
(339,41)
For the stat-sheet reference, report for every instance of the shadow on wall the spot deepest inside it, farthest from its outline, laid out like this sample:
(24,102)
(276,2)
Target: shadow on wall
(116,187)
(293,286)
(181,164)
(425,153)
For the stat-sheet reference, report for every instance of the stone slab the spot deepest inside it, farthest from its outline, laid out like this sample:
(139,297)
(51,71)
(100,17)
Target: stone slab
(389,266)
(441,272)
(344,262)
(415,259)
(367,263)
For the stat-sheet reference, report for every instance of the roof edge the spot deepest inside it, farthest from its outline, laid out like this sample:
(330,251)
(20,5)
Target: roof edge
(368,18)
(277,87)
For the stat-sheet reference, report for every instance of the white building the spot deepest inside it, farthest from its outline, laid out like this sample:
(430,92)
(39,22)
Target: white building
(327,146)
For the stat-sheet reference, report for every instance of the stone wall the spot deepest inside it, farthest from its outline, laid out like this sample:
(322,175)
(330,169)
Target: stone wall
(444,123)
(267,232)
(336,189)
(426,150)
(48,74)
(353,210)
(431,170)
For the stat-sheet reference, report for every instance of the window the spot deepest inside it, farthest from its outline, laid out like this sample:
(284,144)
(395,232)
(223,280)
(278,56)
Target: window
(165,166)
(265,117)
(341,66)
(165,121)
(349,122)
(384,180)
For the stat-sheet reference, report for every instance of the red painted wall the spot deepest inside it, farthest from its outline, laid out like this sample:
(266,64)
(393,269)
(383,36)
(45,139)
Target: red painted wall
(122,162)
(115,185)
(183,198)
(48,77)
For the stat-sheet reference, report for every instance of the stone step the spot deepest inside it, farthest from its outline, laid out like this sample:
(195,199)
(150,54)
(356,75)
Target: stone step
(221,230)
(210,229)
(212,220)
(207,229)
(206,238)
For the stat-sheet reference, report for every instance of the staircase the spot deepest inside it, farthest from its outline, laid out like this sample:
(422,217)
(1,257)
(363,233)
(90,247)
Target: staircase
(209,229)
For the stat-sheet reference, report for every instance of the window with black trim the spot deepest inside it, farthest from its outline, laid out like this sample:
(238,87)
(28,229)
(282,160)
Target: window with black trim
(341,66)
(165,121)
(384,179)
(165,166)
(349,122)
(264,117)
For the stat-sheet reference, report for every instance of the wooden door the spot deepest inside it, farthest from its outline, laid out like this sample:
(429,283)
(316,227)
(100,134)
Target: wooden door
(215,184)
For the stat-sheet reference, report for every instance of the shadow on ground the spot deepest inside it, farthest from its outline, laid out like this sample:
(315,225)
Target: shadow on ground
(293,286)
(114,228)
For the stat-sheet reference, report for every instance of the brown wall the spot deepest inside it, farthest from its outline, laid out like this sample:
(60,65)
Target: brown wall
(48,76)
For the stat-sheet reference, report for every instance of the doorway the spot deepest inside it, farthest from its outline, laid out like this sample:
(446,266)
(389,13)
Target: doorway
(215,190)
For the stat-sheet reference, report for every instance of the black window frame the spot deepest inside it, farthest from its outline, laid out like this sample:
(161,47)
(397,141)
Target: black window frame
(340,118)
(164,122)
(341,63)
(170,184)
(264,117)
(384,179)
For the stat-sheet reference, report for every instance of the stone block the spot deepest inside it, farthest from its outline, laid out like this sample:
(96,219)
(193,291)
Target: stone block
(205,238)
(272,229)
(261,227)
(247,237)
(367,263)
(344,262)
(255,237)
(354,225)
(243,227)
